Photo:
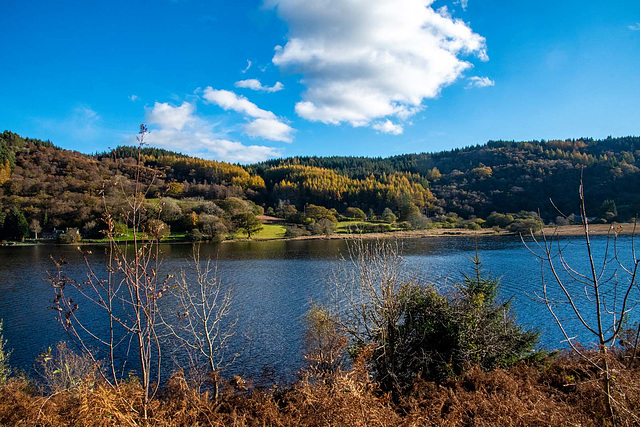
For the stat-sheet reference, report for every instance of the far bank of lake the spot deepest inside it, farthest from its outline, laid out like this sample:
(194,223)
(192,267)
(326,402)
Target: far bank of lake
(548,231)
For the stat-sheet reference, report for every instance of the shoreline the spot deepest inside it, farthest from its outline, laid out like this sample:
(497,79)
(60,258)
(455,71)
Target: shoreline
(565,230)
(594,229)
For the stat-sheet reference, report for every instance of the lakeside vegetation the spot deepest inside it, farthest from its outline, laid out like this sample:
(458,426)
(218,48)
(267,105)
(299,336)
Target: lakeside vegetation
(557,391)
(407,353)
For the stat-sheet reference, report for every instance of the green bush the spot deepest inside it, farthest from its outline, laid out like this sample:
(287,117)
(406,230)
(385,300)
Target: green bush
(71,235)
(526,225)
(62,369)
(499,220)
(472,225)
(355,213)
(433,336)
(388,216)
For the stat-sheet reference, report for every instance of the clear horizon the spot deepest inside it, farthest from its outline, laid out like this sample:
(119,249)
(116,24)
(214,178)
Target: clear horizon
(253,80)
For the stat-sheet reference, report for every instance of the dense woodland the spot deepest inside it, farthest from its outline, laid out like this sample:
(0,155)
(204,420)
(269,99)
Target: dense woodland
(45,188)
(508,176)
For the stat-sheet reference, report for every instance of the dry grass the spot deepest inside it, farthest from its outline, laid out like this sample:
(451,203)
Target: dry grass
(563,391)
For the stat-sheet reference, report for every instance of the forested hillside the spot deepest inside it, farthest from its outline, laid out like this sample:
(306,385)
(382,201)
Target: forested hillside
(58,188)
(508,176)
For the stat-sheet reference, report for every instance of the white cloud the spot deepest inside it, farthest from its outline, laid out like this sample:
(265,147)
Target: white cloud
(238,103)
(476,81)
(266,124)
(180,129)
(243,153)
(170,117)
(133,98)
(207,146)
(271,129)
(254,84)
(388,127)
(364,60)
(249,63)
(463,3)
(635,27)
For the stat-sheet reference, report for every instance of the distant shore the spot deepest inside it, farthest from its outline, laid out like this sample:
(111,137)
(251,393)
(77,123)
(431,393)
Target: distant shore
(565,230)
(594,229)
(405,234)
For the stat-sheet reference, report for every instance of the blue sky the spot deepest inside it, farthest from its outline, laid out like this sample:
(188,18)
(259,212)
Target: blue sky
(247,80)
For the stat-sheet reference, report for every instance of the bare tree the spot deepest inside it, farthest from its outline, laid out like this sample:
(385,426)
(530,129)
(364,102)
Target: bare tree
(365,296)
(126,293)
(35,228)
(597,299)
(364,290)
(204,325)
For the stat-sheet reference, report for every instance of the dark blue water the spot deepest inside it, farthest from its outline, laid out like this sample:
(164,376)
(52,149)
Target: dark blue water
(274,284)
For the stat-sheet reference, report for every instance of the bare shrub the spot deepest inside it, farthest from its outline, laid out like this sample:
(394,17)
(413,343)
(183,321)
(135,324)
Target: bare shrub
(325,343)
(126,294)
(62,369)
(598,299)
(203,324)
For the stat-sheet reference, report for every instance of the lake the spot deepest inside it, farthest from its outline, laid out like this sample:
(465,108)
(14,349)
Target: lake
(274,284)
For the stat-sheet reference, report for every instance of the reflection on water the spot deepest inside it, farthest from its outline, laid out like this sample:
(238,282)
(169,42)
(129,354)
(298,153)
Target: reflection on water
(273,283)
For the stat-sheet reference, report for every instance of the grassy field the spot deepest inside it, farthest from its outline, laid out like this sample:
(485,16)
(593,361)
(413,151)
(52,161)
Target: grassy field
(269,231)
(343,226)
(175,237)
